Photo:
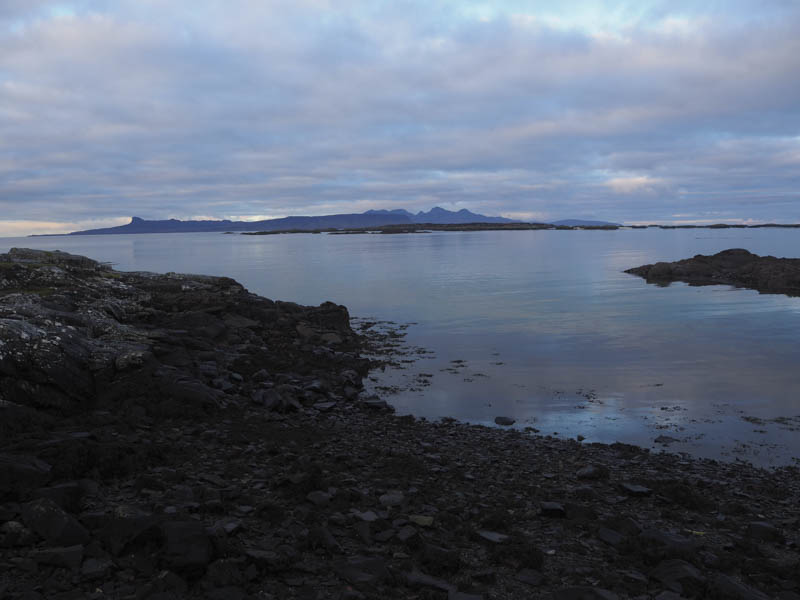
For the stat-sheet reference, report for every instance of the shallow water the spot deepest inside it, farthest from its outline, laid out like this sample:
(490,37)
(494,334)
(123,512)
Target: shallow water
(551,331)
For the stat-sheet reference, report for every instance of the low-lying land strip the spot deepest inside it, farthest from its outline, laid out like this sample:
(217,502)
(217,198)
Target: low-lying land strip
(173,436)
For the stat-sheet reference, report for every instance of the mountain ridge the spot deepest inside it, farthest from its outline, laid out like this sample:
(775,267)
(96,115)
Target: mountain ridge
(370,218)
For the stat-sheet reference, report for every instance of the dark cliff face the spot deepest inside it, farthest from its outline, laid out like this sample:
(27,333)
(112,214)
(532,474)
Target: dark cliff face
(75,335)
(738,267)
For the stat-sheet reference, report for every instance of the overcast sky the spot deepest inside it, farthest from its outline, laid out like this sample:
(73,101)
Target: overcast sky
(675,111)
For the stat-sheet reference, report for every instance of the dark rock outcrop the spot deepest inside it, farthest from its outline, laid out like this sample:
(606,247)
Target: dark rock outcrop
(76,336)
(737,267)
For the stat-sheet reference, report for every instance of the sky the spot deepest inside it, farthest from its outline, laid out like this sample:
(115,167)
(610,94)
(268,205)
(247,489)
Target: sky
(634,112)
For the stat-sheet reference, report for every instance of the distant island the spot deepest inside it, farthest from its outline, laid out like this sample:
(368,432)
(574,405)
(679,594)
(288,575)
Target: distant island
(404,221)
(370,218)
(430,227)
(381,221)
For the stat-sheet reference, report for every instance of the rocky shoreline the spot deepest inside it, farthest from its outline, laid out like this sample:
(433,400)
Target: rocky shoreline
(737,267)
(174,436)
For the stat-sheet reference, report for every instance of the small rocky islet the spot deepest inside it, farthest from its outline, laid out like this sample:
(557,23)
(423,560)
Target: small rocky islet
(737,267)
(174,436)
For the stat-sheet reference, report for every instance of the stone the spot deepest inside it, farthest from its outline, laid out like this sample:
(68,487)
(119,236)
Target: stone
(68,557)
(530,577)
(361,570)
(486,576)
(368,516)
(665,543)
(168,583)
(624,525)
(635,576)
(127,526)
(456,595)
(504,421)
(225,526)
(421,520)
(419,579)
(765,532)
(225,572)
(610,537)
(492,536)
(14,533)
(440,559)
(592,472)
(678,575)
(96,568)
(723,586)
(668,595)
(635,490)
(334,339)
(9,511)
(666,440)
(406,533)
(385,535)
(584,593)
(318,497)
(391,498)
(305,331)
(552,509)
(376,403)
(187,546)
(22,473)
(227,593)
(67,495)
(322,537)
(267,559)
(364,532)
(50,521)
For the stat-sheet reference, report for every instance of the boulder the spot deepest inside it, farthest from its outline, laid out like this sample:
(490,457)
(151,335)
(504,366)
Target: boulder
(127,526)
(725,587)
(14,533)
(679,576)
(19,474)
(69,557)
(361,570)
(51,522)
(187,546)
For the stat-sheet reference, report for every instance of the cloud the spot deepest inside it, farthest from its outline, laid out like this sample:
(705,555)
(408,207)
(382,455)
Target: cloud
(641,184)
(623,111)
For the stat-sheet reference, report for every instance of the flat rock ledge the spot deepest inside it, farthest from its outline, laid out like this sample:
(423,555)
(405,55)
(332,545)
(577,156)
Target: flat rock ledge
(737,267)
(173,436)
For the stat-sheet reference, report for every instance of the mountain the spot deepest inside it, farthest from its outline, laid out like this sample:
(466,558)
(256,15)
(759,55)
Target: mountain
(583,223)
(440,216)
(371,218)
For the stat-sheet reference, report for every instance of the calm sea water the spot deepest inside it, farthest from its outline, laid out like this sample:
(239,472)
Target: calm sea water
(549,329)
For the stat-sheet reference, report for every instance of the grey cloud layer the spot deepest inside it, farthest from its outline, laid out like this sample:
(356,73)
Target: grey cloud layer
(254,108)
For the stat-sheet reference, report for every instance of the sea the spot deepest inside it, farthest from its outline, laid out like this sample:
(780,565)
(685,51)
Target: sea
(543,327)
